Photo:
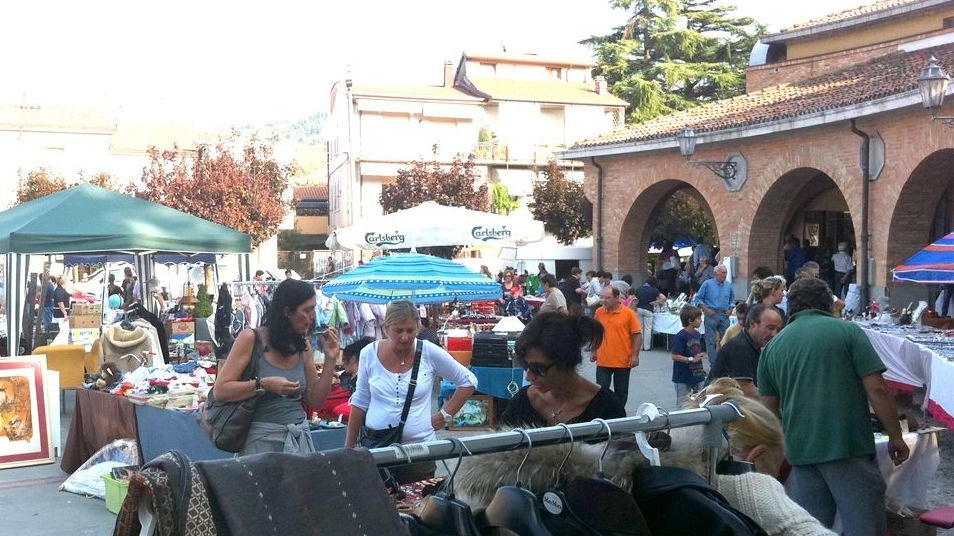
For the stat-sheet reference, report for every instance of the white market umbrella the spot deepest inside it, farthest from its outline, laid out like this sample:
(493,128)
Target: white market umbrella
(433,224)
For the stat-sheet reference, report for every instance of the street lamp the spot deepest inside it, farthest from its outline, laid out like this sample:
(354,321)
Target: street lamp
(731,171)
(932,84)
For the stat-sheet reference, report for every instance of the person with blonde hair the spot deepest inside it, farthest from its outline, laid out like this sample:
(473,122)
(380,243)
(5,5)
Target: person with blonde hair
(769,291)
(384,379)
(755,439)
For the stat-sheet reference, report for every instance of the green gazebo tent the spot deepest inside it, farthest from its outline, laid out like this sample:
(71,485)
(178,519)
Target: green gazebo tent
(90,219)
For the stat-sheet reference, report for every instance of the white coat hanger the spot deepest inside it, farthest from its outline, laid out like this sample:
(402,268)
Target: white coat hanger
(650,412)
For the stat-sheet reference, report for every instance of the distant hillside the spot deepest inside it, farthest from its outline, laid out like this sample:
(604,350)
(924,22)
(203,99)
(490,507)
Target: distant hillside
(306,131)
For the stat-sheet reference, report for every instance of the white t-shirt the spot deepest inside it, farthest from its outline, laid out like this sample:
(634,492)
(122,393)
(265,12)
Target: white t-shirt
(381,393)
(842,262)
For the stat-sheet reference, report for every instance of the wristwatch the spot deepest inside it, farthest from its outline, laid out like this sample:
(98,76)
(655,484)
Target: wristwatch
(447,416)
(259,388)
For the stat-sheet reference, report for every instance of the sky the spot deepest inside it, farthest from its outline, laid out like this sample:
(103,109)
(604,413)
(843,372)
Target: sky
(212,63)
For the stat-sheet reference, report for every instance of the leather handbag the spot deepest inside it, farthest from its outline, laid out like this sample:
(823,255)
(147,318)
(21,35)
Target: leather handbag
(227,423)
(372,438)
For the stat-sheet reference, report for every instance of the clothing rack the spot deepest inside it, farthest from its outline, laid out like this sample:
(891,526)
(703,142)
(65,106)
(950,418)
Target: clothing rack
(711,418)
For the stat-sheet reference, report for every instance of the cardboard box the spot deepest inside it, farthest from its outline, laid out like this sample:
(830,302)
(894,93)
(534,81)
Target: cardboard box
(85,321)
(85,309)
(183,328)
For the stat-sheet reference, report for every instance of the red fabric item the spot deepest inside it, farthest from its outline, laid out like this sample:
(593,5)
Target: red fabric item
(337,397)
(939,517)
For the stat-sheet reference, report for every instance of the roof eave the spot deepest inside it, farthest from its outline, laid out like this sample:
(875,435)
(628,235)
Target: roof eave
(854,111)
(620,104)
(811,31)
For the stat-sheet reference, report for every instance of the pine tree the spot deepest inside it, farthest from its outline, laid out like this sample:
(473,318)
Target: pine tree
(672,55)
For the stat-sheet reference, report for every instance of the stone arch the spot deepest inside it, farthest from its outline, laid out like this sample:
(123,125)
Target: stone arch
(635,231)
(783,202)
(924,208)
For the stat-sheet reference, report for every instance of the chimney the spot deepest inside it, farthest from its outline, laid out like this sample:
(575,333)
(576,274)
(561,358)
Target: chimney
(600,84)
(449,73)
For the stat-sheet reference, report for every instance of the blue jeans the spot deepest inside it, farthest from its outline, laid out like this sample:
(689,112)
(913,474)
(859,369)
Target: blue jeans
(715,327)
(47,315)
(852,486)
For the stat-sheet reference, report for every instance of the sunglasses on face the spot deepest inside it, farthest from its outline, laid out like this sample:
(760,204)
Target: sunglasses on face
(538,369)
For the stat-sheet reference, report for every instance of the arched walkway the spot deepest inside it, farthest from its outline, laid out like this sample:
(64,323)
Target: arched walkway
(804,202)
(922,213)
(634,238)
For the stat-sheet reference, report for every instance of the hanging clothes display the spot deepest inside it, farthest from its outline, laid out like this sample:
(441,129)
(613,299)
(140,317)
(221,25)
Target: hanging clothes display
(223,322)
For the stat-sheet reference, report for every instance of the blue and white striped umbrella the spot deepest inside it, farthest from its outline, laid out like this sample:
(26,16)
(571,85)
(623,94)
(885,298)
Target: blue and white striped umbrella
(419,278)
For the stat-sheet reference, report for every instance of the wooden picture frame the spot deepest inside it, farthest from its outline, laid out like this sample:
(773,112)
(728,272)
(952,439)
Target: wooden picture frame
(477,413)
(25,437)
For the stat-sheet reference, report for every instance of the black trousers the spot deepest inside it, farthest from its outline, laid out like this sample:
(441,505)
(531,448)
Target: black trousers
(619,377)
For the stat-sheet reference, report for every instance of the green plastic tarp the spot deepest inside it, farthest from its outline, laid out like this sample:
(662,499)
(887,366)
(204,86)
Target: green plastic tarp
(87,219)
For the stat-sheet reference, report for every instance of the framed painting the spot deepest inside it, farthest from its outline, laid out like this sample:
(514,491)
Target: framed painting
(25,437)
(477,413)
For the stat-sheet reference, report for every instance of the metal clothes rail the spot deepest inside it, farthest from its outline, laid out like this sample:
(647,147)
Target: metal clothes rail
(711,418)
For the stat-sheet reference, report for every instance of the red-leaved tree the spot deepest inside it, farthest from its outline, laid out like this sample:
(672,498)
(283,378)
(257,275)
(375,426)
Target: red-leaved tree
(243,191)
(38,183)
(452,185)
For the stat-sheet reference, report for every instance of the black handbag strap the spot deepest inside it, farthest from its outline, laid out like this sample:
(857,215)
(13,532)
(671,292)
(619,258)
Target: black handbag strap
(251,370)
(412,384)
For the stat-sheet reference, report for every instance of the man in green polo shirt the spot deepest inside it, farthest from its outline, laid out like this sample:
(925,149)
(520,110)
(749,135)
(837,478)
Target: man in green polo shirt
(822,373)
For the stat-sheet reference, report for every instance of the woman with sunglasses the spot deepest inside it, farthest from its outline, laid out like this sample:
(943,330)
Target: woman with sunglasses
(549,350)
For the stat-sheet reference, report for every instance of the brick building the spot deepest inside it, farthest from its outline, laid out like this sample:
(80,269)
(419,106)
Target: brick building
(816,95)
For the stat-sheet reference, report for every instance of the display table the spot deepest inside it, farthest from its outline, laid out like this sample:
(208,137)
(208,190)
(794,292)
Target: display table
(100,418)
(670,324)
(911,366)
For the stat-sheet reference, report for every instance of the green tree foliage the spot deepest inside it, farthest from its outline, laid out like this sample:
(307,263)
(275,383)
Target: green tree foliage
(684,214)
(672,55)
(452,185)
(38,183)
(560,204)
(242,190)
(501,201)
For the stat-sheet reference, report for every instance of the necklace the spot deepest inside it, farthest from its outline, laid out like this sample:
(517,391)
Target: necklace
(557,413)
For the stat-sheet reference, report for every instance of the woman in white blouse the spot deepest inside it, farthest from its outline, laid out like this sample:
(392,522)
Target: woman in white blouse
(384,373)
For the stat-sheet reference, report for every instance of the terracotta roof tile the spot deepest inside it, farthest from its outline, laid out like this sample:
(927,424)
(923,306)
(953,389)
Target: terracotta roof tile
(414,92)
(878,78)
(859,11)
(544,91)
(311,193)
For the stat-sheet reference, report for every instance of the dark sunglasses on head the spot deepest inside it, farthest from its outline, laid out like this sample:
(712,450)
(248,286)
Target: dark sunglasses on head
(538,369)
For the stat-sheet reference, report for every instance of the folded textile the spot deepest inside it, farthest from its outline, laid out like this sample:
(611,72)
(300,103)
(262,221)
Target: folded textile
(329,492)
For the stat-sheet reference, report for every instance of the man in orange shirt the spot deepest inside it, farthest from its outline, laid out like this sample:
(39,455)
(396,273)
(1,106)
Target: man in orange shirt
(622,339)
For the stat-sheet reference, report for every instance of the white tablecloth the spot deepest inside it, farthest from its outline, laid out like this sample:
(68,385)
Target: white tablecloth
(670,324)
(911,365)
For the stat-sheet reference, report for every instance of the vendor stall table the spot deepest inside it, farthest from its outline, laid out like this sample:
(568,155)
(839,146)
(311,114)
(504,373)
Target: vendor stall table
(912,365)
(100,418)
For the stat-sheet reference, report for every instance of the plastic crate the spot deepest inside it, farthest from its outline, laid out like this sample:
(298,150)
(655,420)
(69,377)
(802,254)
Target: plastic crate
(115,493)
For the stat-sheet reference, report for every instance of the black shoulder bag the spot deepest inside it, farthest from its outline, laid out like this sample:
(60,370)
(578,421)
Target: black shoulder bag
(371,438)
(227,423)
